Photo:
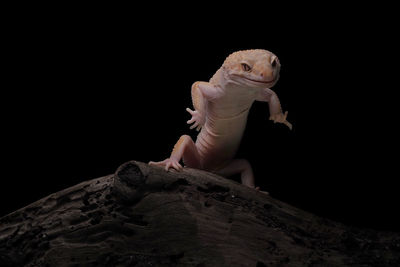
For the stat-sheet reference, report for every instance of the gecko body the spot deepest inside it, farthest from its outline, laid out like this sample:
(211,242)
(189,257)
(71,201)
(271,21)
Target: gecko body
(221,109)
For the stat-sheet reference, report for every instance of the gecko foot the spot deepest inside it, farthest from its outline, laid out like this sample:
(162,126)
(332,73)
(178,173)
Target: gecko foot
(258,189)
(167,164)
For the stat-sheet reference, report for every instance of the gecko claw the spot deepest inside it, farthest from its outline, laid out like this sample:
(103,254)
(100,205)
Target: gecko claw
(288,124)
(196,124)
(167,164)
(197,119)
(258,189)
(281,118)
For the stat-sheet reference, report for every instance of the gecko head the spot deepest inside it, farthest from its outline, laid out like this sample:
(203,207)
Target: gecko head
(253,68)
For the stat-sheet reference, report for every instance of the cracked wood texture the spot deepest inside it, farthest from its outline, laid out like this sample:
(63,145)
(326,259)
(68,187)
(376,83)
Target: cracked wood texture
(144,216)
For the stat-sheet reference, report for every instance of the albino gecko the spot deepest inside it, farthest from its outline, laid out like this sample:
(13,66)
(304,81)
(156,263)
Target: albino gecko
(221,108)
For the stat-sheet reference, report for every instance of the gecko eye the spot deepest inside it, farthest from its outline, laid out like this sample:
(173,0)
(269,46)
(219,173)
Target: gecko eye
(246,67)
(274,62)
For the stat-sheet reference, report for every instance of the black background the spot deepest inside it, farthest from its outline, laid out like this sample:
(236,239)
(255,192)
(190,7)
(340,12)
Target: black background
(87,90)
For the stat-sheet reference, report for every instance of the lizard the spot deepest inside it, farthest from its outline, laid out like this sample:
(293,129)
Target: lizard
(221,108)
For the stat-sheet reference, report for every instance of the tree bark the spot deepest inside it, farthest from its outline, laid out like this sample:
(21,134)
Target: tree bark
(145,216)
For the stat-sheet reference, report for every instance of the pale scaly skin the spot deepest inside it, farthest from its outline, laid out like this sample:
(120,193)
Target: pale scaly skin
(221,108)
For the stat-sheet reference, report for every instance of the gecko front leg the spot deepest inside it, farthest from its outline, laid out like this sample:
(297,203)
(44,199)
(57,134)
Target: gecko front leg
(184,149)
(275,109)
(202,92)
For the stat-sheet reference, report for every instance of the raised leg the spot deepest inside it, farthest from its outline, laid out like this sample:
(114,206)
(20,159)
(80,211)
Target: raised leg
(184,149)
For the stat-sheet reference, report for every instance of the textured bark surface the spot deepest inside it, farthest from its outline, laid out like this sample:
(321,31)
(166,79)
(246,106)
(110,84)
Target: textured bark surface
(144,216)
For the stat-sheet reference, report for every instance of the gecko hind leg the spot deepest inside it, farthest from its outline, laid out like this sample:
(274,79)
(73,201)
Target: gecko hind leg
(184,149)
(243,167)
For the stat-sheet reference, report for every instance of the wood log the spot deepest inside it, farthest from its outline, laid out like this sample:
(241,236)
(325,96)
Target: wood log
(145,216)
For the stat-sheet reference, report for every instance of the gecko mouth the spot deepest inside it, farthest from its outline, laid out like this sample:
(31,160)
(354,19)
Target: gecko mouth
(257,81)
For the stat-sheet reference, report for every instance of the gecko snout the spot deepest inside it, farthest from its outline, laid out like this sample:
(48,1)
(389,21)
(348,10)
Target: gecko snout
(267,74)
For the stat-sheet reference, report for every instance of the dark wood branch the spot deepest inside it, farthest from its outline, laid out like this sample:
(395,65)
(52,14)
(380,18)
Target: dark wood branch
(144,216)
